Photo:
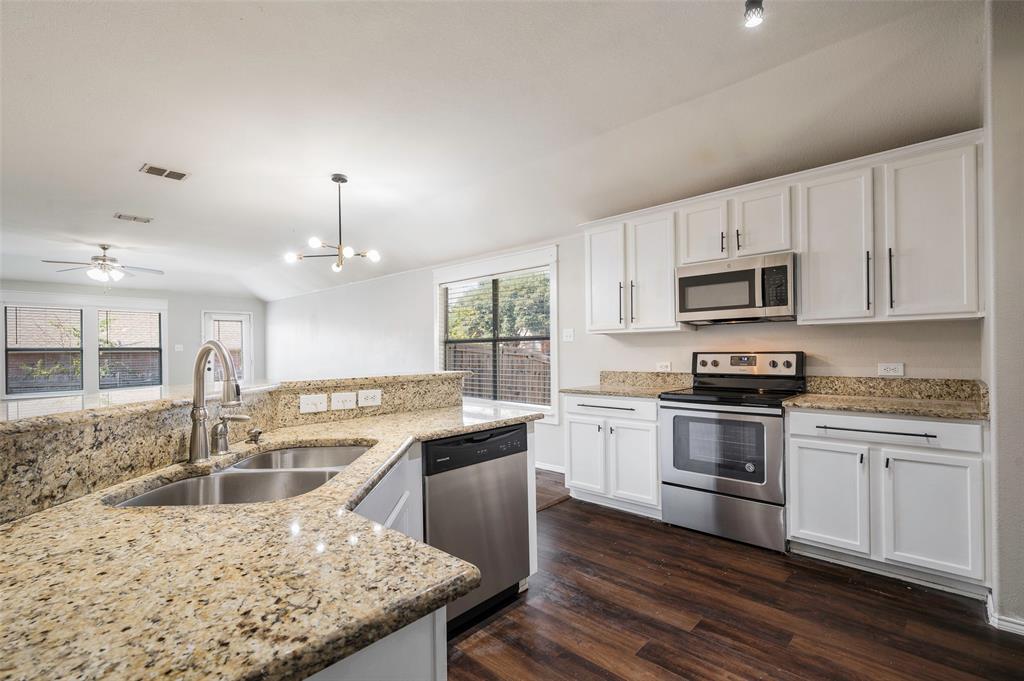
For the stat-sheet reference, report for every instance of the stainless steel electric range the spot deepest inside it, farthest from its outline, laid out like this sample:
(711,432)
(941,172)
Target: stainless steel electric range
(722,445)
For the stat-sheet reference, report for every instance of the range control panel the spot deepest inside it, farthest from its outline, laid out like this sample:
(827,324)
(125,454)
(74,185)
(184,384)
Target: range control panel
(748,363)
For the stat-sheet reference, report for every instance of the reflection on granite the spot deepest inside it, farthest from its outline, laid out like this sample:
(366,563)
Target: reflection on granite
(48,460)
(647,384)
(273,590)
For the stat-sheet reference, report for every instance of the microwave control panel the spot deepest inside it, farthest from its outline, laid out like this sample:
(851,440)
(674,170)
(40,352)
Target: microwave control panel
(776,286)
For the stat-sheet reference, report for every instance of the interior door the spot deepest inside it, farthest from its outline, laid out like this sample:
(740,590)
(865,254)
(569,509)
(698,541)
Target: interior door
(651,287)
(605,275)
(933,512)
(931,234)
(702,231)
(761,221)
(633,456)
(585,454)
(829,494)
(837,231)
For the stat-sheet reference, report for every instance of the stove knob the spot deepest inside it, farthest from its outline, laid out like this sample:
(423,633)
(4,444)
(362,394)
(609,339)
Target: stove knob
(787,364)
(773,364)
(714,362)
(703,362)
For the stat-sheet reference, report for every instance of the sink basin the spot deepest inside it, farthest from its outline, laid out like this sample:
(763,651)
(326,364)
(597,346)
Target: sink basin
(232,488)
(302,457)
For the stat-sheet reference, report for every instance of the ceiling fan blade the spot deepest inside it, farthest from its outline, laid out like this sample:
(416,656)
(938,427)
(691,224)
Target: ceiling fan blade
(74,269)
(147,270)
(66,262)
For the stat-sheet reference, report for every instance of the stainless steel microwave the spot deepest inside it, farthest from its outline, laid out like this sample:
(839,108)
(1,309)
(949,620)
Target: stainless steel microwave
(757,289)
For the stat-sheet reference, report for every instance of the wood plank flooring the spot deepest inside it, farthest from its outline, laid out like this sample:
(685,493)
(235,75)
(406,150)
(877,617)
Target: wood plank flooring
(622,597)
(551,489)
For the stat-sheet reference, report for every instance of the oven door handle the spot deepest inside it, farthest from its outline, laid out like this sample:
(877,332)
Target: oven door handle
(727,411)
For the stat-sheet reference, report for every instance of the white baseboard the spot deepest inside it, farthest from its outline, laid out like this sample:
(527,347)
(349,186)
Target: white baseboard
(1014,625)
(549,467)
(617,504)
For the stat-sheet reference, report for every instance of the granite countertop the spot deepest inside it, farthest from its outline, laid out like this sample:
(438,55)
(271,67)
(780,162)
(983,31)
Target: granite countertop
(968,410)
(646,384)
(616,390)
(275,590)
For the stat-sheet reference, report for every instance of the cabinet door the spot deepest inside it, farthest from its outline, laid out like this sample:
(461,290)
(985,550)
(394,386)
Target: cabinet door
(933,511)
(761,221)
(931,234)
(829,497)
(633,456)
(651,270)
(605,277)
(702,231)
(585,454)
(836,226)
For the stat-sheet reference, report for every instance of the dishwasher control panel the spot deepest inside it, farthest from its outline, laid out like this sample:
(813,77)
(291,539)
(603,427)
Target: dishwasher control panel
(472,448)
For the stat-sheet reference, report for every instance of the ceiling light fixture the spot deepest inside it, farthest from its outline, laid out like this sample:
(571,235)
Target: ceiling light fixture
(103,268)
(341,252)
(753,13)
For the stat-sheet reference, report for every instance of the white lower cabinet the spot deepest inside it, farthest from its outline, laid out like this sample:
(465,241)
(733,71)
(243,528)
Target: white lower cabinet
(861,490)
(829,494)
(612,453)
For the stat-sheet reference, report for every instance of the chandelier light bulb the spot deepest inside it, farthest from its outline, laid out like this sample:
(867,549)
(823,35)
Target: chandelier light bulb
(291,257)
(335,266)
(373,255)
(315,242)
(348,251)
(753,13)
(116,275)
(96,274)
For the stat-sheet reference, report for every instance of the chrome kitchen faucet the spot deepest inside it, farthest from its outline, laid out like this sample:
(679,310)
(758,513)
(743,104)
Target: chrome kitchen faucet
(199,443)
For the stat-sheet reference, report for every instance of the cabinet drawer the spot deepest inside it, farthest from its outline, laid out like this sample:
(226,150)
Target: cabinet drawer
(961,437)
(617,407)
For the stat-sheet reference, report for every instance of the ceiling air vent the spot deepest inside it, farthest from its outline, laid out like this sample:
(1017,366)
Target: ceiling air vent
(150,169)
(132,218)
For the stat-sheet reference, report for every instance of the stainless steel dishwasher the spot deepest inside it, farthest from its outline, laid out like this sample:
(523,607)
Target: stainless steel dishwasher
(476,503)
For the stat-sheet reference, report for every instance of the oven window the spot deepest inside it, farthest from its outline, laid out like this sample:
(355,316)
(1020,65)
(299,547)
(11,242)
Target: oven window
(724,447)
(719,291)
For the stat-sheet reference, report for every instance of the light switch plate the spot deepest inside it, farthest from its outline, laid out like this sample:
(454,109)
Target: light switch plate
(343,401)
(890,369)
(568,335)
(310,404)
(663,366)
(369,398)
(178,347)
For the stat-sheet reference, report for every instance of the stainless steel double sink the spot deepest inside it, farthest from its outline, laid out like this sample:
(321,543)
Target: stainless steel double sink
(268,476)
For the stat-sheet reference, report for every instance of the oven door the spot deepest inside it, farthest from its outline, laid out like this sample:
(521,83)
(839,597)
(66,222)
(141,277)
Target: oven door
(730,452)
(729,290)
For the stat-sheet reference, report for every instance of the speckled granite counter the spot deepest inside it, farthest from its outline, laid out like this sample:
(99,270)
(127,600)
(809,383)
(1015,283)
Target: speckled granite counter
(941,398)
(970,410)
(648,384)
(274,590)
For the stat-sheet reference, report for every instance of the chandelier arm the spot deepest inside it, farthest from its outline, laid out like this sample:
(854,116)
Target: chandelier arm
(319,255)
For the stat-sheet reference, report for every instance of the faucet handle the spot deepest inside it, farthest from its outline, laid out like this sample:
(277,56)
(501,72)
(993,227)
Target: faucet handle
(235,417)
(254,436)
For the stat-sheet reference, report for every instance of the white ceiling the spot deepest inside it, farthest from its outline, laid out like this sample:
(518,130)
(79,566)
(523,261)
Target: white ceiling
(464,127)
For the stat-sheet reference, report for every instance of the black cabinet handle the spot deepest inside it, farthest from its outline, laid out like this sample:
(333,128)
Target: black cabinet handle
(892,296)
(878,432)
(867,277)
(862,457)
(601,406)
(620,302)
(723,242)
(632,305)
(611,430)
(886,462)
(599,428)
(737,239)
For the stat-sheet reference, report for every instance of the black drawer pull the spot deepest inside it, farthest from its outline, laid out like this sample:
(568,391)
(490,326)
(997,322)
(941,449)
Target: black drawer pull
(878,432)
(601,406)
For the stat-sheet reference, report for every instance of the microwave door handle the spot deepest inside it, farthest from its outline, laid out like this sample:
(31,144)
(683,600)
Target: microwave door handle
(758,293)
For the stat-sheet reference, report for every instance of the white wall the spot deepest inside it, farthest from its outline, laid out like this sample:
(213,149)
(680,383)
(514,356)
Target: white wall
(184,320)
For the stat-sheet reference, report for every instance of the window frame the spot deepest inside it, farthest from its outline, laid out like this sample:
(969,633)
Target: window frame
(7,351)
(207,318)
(89,305)
(162,349)
(545,257)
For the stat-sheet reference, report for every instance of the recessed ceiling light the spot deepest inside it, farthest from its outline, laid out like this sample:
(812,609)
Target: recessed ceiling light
(753,13)
(151,169)
(132,218)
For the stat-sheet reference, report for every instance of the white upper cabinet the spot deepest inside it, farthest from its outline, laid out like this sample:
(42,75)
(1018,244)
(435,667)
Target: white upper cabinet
(702,231)
(605,254)
(761,221)
(931,234)
(650,249)
(837,237)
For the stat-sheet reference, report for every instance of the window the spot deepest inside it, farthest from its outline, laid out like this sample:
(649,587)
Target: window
(234,330)
(129,348)
(499,328)
(44,349)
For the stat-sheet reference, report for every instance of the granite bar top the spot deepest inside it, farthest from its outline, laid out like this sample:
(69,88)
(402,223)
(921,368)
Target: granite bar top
(968,410)
(275,590)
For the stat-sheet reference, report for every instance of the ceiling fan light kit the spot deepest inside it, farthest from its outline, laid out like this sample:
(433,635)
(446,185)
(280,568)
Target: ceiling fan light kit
(339,251)
(103,268)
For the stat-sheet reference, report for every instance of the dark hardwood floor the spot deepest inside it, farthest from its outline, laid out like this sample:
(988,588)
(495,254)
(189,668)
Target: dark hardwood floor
(551,489)
(622,597)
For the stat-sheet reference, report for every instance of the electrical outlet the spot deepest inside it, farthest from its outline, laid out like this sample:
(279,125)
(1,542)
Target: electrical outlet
(369,398)
(890,369)
(663,366)
(568,335)
(343,401)
(310,404)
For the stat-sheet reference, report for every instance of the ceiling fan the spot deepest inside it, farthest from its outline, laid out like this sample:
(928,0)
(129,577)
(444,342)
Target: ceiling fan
(103,267)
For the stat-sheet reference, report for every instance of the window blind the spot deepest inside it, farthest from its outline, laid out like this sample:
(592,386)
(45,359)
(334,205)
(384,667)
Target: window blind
(129,349)
(499,328)
(44,349)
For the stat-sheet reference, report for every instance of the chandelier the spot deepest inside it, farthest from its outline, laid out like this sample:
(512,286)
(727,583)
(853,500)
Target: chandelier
(340,252)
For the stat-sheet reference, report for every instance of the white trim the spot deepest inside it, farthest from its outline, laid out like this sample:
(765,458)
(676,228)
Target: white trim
(549,467)
(1014,625)
(15,297)
(629,507)
(543,257)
